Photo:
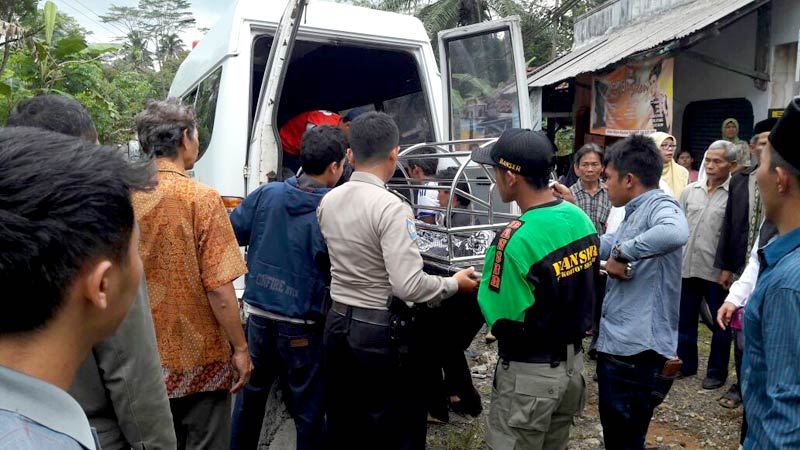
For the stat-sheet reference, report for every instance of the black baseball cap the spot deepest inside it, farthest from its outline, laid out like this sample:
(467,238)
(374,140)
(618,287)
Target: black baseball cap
(525,152)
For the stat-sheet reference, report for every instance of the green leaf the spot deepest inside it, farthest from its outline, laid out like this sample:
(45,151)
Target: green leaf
(5,89)
(49,21)
(69,46)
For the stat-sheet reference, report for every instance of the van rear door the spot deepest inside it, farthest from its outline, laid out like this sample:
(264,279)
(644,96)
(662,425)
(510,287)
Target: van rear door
(264,152)
(483,76)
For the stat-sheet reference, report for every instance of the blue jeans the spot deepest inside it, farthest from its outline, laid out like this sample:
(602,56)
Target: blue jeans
(693,291)
(292,352)
(630,389)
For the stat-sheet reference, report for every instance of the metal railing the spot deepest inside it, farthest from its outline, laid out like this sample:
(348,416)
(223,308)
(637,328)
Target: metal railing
(463,245)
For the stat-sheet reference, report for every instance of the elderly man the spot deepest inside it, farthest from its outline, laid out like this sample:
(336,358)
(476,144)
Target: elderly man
(771,368)
(704,204)
(191,258)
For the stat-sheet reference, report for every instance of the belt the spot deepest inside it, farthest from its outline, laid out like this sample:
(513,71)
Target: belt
(649,357)
(379,317)
(537,356)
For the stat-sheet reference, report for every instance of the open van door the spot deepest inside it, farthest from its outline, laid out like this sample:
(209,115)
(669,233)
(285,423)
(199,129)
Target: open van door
(483,74)
(264,153)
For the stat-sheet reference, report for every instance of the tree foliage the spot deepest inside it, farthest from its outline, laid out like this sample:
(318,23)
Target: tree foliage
(113,81)
(546,25)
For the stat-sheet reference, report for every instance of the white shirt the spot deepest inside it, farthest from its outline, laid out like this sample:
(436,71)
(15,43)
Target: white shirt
(427,197)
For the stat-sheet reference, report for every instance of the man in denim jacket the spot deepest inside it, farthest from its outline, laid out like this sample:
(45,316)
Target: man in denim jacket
(639,321)
(285,293)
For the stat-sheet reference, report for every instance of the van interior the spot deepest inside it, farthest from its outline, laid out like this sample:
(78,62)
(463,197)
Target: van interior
(339,77)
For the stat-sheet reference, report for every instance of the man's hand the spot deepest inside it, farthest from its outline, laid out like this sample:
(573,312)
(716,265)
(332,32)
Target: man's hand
(616,269)
(725,280)
(467,282)
(562,192)
(725,313)
(244,366)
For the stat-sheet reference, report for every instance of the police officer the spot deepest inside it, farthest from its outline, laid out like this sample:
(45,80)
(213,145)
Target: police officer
(536,294)
(373,390)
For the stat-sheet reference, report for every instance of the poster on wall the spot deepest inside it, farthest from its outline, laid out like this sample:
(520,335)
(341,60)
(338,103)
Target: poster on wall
(633,99)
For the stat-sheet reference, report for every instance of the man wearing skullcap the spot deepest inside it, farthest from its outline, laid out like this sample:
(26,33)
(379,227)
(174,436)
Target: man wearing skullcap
(771,368)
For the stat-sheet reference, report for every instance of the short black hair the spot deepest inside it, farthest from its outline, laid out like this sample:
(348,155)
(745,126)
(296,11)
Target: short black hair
(160,126)
(321,146)
(428,165)
(64,202)
(636,155)
(585,150)
(776,160)
(449,174)
(373,135)
(55,113)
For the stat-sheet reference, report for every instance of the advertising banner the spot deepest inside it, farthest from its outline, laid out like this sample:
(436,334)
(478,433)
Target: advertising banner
(633,99)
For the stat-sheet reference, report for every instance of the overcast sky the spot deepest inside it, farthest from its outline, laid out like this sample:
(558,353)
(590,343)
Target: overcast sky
(87,12)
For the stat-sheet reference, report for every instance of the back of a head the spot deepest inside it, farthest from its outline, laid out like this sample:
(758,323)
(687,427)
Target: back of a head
(161,125)
(63,204)
(639,156)
(373,136)
(321,146)
(54,113)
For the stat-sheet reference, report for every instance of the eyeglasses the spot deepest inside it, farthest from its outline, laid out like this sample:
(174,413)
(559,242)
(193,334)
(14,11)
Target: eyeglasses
(668,147)
(588,165)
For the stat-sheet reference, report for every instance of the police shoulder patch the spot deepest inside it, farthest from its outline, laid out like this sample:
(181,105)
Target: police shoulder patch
(411,227)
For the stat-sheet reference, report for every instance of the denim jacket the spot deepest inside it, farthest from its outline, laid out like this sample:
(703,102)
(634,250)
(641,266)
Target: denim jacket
(642,313)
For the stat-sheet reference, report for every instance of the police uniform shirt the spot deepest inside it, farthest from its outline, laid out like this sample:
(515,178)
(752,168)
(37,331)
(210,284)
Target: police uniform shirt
(371,239)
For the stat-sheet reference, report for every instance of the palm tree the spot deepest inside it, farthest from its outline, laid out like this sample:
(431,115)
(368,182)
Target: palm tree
(170,46)
(136,52)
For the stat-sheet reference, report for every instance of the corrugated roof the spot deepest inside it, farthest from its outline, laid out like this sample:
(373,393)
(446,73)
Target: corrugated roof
(617,44)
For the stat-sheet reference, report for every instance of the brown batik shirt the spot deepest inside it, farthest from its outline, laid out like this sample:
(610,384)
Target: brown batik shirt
(188,249)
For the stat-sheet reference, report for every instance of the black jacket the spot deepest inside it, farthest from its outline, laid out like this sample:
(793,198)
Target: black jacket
(732,247)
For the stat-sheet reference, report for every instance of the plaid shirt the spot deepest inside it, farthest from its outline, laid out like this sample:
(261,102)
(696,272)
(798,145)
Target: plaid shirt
(596,206)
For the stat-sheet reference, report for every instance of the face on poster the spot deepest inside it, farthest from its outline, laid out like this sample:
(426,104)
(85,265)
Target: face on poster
(633,99)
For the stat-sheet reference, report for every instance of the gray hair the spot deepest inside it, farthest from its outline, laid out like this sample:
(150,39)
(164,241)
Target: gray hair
(160,126)
(731,153)
(754,139)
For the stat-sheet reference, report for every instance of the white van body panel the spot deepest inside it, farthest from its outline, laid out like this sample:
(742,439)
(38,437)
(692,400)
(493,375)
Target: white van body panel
(229,45)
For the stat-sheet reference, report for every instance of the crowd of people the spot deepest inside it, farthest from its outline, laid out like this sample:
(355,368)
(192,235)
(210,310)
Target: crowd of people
(130,335)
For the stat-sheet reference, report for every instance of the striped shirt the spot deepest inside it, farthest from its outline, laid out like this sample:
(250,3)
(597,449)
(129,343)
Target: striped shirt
(771,367)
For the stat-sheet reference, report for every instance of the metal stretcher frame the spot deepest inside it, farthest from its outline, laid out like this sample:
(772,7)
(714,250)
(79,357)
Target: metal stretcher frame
(494,220)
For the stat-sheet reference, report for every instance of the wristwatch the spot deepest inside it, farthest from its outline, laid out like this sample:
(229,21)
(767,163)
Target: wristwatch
(617,254)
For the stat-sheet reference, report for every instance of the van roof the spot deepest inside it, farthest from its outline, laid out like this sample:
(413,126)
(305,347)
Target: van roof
(325,17)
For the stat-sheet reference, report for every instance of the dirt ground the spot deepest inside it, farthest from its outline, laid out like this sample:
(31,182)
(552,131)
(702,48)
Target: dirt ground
(690,417)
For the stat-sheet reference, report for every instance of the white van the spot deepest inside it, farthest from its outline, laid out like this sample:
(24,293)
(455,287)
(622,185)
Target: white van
(336,57)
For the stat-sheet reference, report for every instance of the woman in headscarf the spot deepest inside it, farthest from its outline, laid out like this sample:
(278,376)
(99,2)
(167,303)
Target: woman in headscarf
(675,175)
(730,133)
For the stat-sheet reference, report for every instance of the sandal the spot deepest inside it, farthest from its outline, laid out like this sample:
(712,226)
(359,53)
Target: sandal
(732,399)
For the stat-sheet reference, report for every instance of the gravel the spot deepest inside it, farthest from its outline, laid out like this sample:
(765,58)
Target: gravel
(690,417)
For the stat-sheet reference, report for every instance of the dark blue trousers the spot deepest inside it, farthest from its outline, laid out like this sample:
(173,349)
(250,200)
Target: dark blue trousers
(693,291)
(629,388)
(292,352)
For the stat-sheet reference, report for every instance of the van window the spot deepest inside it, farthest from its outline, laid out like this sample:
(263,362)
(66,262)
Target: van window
(206,108)
(483,92)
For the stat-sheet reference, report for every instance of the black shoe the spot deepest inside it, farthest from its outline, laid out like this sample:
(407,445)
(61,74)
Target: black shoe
(468,403)
(711,383)
(680,375)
